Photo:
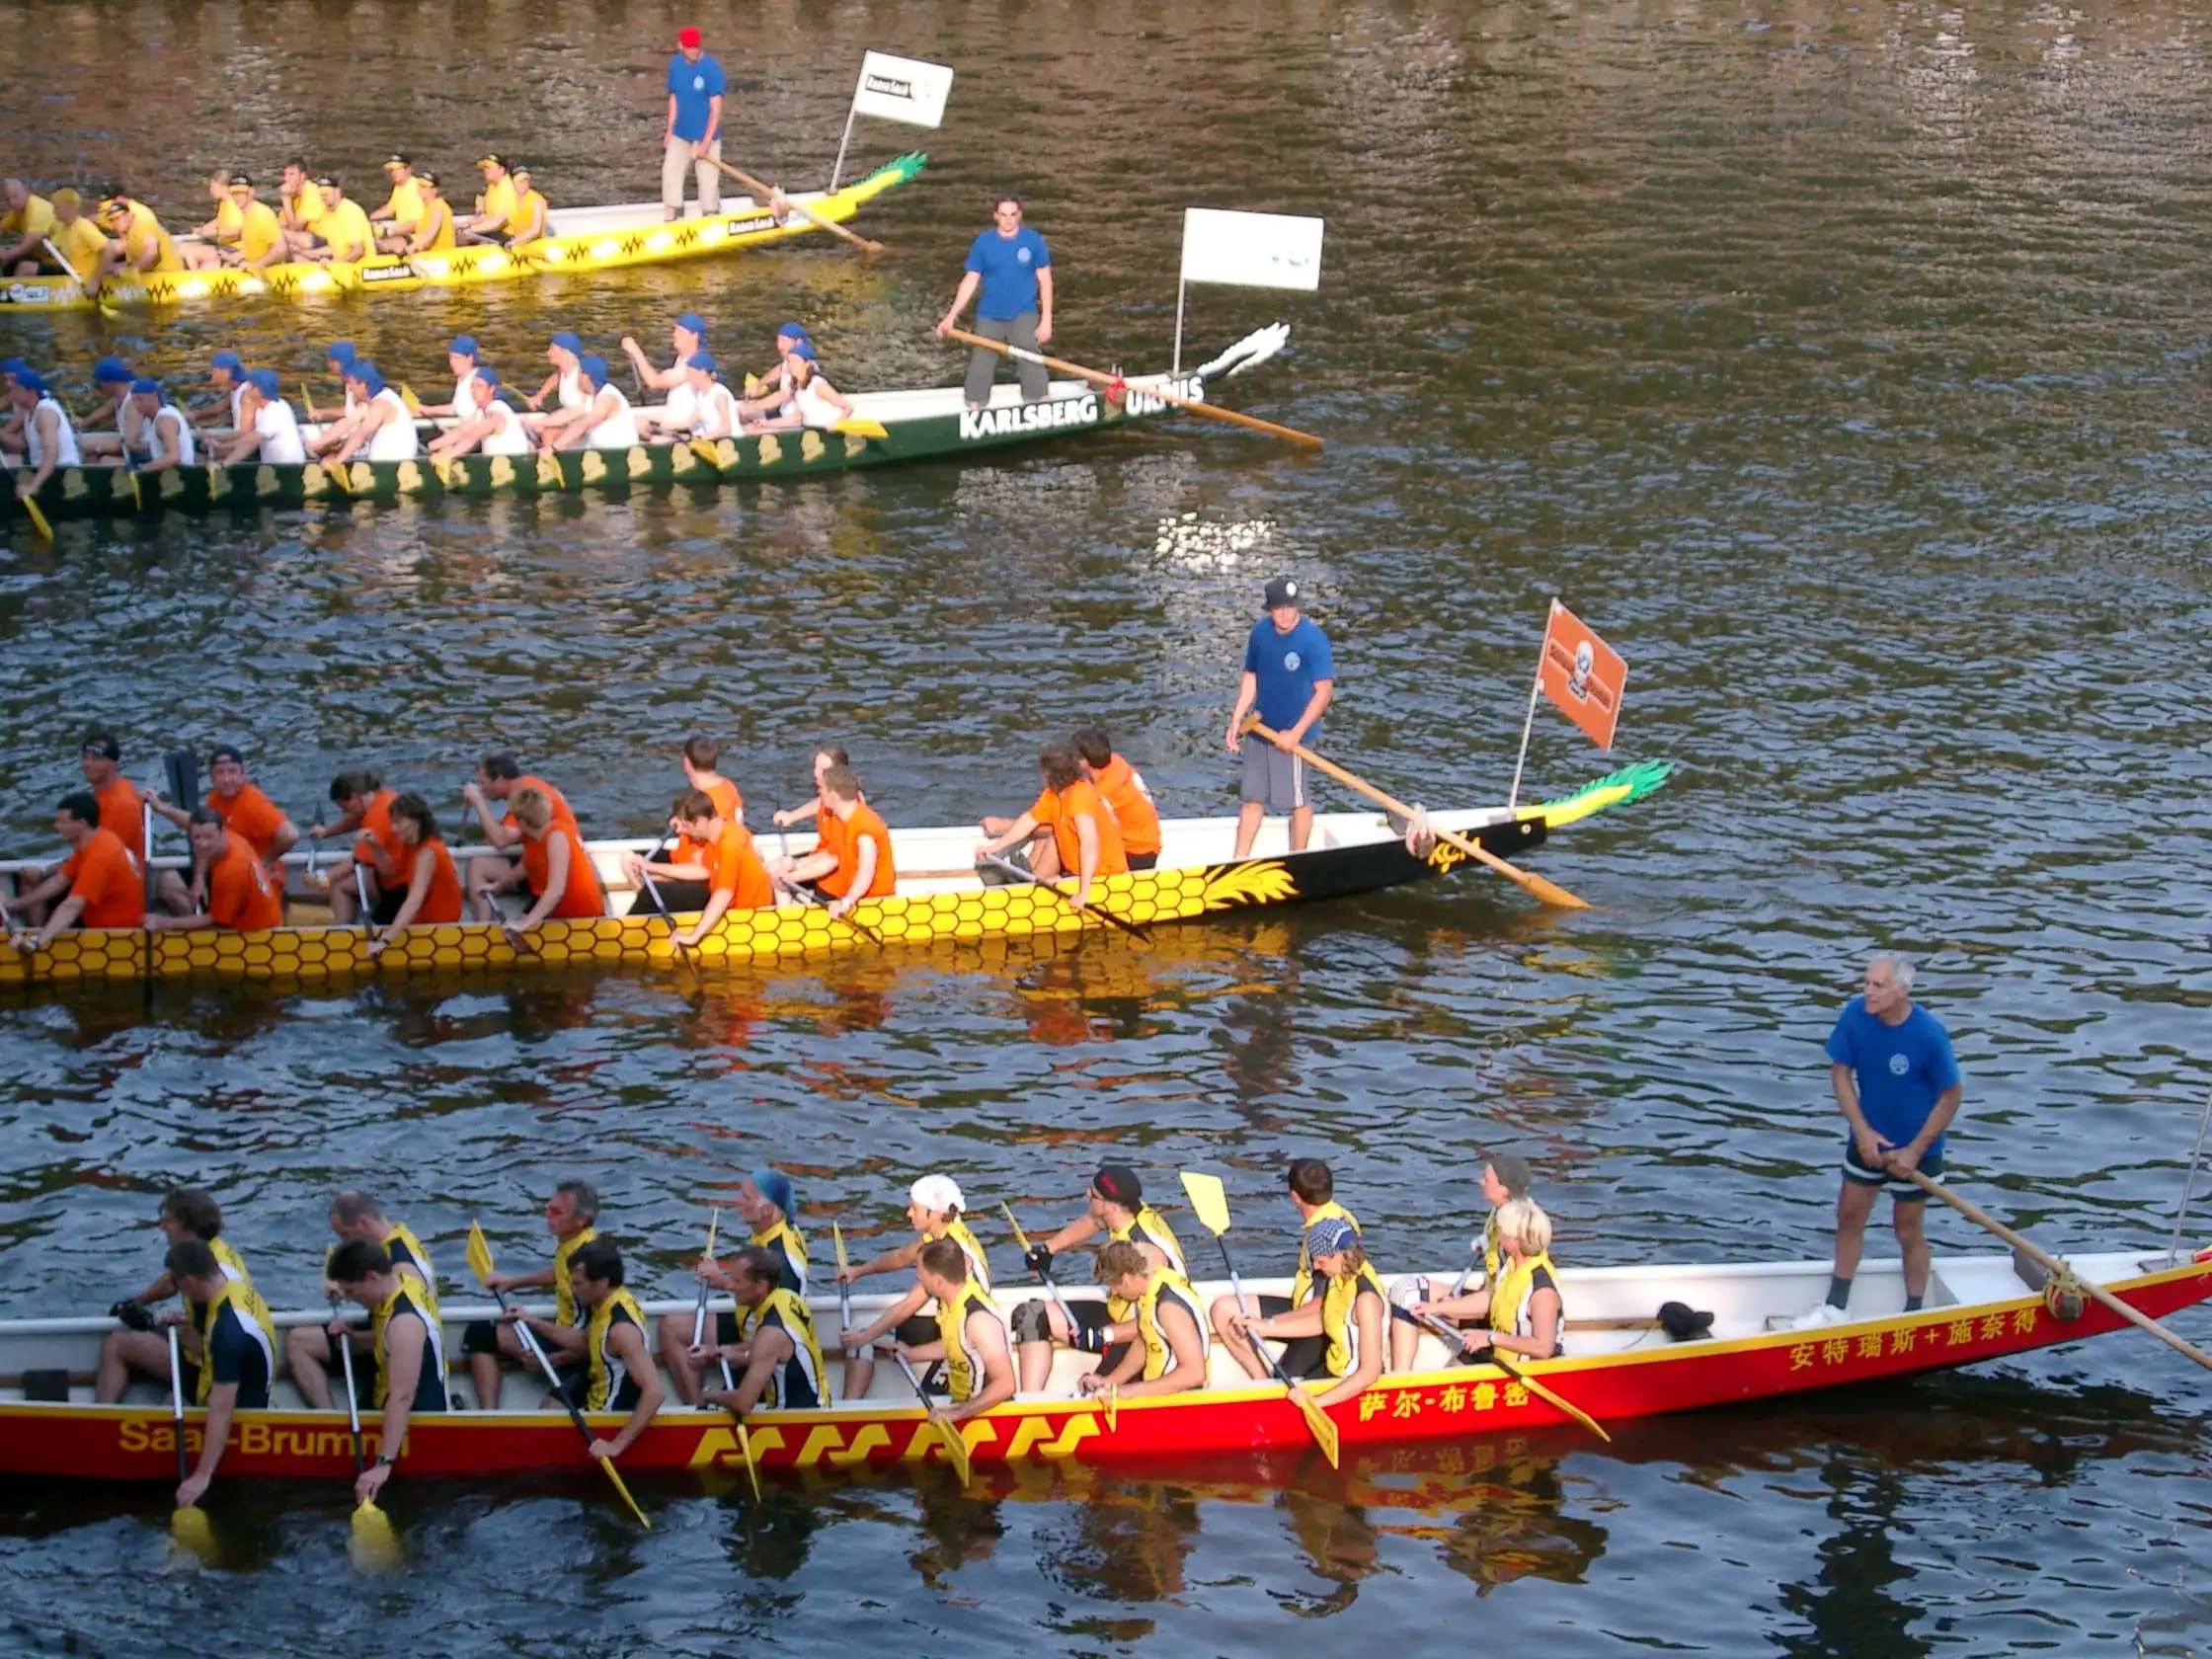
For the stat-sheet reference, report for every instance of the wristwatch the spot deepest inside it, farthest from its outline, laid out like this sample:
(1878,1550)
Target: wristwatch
(384,1459)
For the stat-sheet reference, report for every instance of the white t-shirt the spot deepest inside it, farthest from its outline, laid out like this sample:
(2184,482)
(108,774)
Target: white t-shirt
(618,431)
(396,439)
(716,406)
(278,428)
(507,437)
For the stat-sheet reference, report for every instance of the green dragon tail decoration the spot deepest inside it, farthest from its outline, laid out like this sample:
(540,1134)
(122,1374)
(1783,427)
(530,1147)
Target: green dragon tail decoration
(1615,789)
(902,171)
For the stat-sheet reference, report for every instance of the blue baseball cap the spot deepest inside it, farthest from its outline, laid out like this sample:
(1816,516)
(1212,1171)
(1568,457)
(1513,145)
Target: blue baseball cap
(774,1186)
(464,346)
(805,353)
(701,361)
(1329,1236)
(12,365)
(142,384)
(264,381)
(568,342)
(30,381)
(112,371)
(361,369)
(489,378)
(343,352)
(794,330)
(694,322)
(228,359)
(594,367)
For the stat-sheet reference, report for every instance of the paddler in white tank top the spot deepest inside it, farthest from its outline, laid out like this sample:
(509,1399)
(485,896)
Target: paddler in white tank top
(688,336)
(226,378)
(163,430)
(811,401)
(464,358)
(486,427)
(565,352)
(269,431)
(602,422)
(383,430)
(110,380)
(338,419)
(50,440)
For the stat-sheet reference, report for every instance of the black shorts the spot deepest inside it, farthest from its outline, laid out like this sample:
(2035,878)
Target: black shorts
(1144,861)
(482,1336)
(333,1357)
(1302,1356)
(1088,1316)
(1902,1190)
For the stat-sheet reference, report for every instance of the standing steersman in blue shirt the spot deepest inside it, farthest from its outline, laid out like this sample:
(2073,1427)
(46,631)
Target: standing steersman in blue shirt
(1891,1066)
(1288,677)
(694,135)
(1013,270)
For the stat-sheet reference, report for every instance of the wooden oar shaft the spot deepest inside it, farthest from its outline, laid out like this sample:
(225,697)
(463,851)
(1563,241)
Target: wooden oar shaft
(1454,1339)
(2036,1253)
(1549,892)
(764,194)
(1251,423)
(1069,899)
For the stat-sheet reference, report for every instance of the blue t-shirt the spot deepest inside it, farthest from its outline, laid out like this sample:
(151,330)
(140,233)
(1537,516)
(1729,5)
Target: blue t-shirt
(1286,667)
(696,86)
(1900,1070)
(1008,265)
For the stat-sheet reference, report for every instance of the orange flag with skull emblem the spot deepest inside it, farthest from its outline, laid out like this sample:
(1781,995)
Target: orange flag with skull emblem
(1582,674)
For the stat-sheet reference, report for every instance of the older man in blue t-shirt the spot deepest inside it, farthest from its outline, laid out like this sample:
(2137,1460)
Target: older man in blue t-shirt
(1011,278)
(1895,1077)
(1289,679)
(694,135)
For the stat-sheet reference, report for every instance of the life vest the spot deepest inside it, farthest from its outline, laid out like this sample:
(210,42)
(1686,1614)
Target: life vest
(1303,1285)
(784,1240)
(407,1250)
(796,1382)
(407,1301)
(252,1315)
(1512,1295)
(1159,1354)
(564,1293)
(964,1366)
(1145,1227)
(612,1387)
(978,1270)
(1340,1325)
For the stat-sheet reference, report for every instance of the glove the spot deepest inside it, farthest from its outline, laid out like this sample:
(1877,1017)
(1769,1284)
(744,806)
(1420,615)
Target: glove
(132,1315)
(1091,1340)
(1040,1259)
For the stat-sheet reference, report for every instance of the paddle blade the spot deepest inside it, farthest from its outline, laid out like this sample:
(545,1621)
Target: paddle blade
(614,1475)
(705,450)
(956,1451)
(375,1546)
(745,1445)
(407,397)
(838,1233)
(194,1533)
(1113,1409)
(1021,1238)
(1317,1420)
(860,427)
(1537,888)
(38,517)
(1208,1199)
(479,1253)
(714,1221)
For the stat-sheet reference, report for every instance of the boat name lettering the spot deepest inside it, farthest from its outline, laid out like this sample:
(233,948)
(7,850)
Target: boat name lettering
(1142,402)
(375,273)
(30,294)
(1028,418)
(252,1437)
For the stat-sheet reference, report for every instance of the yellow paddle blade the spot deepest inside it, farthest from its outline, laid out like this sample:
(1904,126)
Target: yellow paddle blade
(1208,1200)
(138,496)
(1324,1430)
(444,467)
(714,1219)
(1020,1237)
(858,427)
(1550,1399)
(194,1531)
(752,385)
(956,1451)
(614,1475)
(479,1252)
(838,1233)
(1113,1409)
(407,397)
(375,1546)
(38,517)
(745,1445)
(705,450)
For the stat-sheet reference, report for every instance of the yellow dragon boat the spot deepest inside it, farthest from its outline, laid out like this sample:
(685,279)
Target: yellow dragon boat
(582,240)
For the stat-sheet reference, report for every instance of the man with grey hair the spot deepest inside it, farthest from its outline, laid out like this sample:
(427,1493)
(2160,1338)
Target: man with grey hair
(1898,1085)
(569,1215)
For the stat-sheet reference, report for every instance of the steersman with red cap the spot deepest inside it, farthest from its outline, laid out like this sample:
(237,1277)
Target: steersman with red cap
(694,134)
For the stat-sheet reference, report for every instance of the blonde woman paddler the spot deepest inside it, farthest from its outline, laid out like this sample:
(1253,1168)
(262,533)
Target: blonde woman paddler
(1523,1313)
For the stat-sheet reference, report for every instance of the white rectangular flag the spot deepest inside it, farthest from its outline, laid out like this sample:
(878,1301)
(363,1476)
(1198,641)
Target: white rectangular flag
(901,89)
(1251,249)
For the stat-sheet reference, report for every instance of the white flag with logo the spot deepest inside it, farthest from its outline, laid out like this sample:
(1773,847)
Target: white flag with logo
(901,89)
(1251,249)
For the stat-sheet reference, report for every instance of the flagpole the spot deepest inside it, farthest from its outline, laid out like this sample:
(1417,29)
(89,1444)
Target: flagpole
(1182,288)
(852,112)
(1536,691)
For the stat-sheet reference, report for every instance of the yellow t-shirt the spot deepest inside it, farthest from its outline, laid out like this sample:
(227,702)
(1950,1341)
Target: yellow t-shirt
(499,199)
(148,234)
(528,210)
(34,218)
(442,239)
(345,225)
(228,220)
(259,230)
(81,243)
(404,205)
(307,206)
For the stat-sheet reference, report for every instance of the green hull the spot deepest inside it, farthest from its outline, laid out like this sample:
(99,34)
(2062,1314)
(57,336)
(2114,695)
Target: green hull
(96,492)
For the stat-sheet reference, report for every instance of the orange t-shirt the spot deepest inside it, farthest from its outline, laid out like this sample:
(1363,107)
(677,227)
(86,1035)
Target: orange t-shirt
(376,826)
(1061,811)
(1134,812)
(240,895)
(843,837)
(563,819)
(733,867)
(729,805)
(582,896)
(253,818)
(108,877)
(443,900)
(123,811)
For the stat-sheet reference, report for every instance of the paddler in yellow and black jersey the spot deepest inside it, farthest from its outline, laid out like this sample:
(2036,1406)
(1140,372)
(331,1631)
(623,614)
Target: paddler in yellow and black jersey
(1350,1318)
(1505,1177)
(239,1344)
(1313,1191)
(970,1337)
(767,1202)
(310,1350)
(1522,1312)
(776,1361)
(1170,1351)
(620,1373)
(1105,1329)
(933,1206)
(569,1215)
(186,1213)
(405,1344)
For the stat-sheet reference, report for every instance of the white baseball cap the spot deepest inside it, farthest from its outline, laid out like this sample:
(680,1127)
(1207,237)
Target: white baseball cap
(937,1192)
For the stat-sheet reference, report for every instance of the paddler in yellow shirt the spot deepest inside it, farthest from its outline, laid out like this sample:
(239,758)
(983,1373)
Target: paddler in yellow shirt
(261,242)
(29,221)
(433,232)
(298,206)
(341,233)
(80,241)
(403,208)
(528,223)
(495,206)
(140,244)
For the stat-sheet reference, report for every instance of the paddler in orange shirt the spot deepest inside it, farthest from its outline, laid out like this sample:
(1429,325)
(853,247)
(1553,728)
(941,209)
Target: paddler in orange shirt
(433,884)
(118,808)
(1070,830)
(700,756)
(555,864)
(377,866)
(716,869)
(246,813)
(498,778)
(1122,787)
(104,883)
(852,860)
(241,896)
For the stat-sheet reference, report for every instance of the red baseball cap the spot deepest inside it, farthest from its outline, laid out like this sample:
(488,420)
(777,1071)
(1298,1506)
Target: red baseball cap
(687,38)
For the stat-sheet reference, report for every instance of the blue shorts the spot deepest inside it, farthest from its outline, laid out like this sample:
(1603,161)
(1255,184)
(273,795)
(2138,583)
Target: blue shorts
(1902,1190)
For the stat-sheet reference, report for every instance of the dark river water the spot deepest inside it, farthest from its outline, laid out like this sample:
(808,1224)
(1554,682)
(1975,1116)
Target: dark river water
(1843,365)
